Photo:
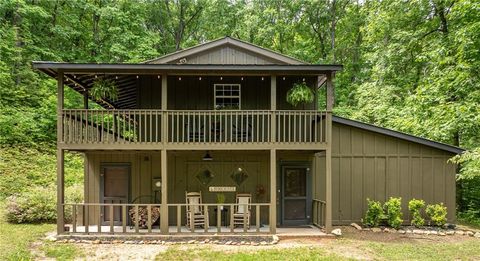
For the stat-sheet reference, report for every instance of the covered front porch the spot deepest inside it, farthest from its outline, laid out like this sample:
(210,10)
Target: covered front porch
(286,189)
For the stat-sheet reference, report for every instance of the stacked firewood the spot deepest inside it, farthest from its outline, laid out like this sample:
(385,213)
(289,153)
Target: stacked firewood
(143,216)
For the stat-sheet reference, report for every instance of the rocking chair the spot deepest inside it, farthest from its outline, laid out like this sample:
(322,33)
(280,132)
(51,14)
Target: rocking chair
(196,215)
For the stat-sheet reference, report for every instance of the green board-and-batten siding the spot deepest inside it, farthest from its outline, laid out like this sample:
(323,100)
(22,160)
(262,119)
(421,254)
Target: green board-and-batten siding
(367,164)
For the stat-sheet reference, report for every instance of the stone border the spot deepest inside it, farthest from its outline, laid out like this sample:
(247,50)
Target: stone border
(420,231)
(234,241)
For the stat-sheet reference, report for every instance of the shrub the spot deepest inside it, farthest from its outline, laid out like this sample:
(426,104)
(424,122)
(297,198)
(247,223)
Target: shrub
(393,208)
(437,214)
(39,205)
(374,213)
(415,206)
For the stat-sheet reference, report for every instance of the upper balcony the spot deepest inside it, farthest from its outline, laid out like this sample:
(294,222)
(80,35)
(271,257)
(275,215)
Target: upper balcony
(187,129)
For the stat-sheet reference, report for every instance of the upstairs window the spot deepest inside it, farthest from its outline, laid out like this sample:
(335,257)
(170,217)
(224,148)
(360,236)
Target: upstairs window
(227,96)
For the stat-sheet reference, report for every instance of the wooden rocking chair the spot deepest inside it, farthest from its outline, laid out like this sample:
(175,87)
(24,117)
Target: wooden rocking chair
(196,215)
(241,211)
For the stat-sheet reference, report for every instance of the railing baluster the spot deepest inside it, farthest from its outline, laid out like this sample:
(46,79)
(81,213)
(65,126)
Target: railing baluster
(232,225)
(179,218)
(74,218)
(136,219)
(205,215)
(245,209)
(149,218)
(257,217)
(219,218)
(99,229)
(124,218)
(86,219)
(110,208)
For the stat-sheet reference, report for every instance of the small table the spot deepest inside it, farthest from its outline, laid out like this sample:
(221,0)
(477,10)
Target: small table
(223,216)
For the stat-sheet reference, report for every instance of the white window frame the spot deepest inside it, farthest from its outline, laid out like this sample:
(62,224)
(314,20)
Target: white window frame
(239,96)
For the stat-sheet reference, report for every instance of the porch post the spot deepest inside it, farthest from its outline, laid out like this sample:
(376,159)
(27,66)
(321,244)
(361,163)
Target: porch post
(273,191)
(328,155)
(164,206)
(60,157)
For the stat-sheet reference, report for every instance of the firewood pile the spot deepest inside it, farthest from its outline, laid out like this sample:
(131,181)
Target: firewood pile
(143,216)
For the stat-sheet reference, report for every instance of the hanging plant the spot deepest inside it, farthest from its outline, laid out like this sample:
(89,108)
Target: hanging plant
(104,89)
(300,93)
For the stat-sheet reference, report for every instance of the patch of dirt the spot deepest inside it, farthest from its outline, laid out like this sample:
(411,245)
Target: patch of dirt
(121,251)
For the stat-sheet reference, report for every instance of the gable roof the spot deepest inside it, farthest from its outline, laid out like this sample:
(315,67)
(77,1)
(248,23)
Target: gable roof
(397,134)
(245,47)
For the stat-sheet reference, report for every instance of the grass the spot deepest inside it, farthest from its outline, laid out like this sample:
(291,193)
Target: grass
(15,239)
(298,253)
(467,250)
(62,251)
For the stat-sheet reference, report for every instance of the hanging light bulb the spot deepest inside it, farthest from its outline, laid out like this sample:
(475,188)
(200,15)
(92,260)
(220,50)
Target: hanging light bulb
(179,78)
(303,79)
(158,76)
(96,76)
(199,78)
(116,77)
(262,78)
(137,76)
(241,78)
(283,78)
(221,78)
(74,77)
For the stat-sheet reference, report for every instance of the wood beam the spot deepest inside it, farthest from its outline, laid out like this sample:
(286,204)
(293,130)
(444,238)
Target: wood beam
(328,155)
(273,191)
(164,193)
(60,156)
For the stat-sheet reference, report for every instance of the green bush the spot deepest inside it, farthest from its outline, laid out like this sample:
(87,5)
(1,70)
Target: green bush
(38,205)
(393,207)
(437,214)
(374,213)
(415,206)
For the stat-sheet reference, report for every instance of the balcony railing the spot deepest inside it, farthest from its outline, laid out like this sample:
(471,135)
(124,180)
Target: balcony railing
(118,218)
(192,127)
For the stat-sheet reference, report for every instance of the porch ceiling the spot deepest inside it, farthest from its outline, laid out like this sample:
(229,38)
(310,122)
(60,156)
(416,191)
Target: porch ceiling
(81,76)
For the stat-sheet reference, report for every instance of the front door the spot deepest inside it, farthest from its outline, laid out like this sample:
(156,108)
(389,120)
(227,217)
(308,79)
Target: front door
(296,198)
(114,187)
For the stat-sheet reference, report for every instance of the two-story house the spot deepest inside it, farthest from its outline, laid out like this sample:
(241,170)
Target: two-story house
(203,141)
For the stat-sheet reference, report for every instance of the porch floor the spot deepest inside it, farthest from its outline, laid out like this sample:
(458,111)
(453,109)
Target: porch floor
(281,231)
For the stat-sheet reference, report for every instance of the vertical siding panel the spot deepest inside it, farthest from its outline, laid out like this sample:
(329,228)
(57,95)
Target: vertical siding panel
(336,215)
(357,196)
(450,188)
(439,180)
(345,189)
(380,173)
(428,179)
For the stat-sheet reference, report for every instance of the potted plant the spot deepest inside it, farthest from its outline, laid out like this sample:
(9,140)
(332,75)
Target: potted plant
(104,88)
(300,93)
(220,200)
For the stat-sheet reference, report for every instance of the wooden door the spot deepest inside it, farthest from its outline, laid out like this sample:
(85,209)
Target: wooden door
(114,188)
(296,195)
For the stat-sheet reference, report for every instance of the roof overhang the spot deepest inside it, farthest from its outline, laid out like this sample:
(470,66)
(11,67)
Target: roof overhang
(397,134)
(175,69)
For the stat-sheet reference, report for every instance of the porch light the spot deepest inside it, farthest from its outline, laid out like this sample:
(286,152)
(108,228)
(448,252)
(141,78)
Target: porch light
(116,77)
(283,78)
(241,78)
(179,78)
(158,184)
(221,78)
(199,78)
(262,78)
(207,157)
(137,76)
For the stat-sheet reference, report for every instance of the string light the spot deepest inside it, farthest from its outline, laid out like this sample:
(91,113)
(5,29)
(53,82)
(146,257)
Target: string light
(116,77)
(137,76)
(199,78)
(158,76)
(241,78)
(96,76)
(74,77)
(179,78)
(221,78)
(262,78)
(284,78)
(303,79)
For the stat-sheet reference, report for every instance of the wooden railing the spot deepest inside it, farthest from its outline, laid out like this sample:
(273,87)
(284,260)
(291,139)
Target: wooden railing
(318,213)
(116,218)
(187,127)
(111,126)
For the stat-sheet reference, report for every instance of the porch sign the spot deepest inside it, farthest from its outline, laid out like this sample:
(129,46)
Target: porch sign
(222,189)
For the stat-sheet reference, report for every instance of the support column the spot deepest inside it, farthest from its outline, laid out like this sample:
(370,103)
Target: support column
(273,107)
(273,191)
(164,120)
(164,206)
(328,156)
(60,157)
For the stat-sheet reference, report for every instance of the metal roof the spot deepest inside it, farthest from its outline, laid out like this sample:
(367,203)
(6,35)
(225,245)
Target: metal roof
(397,134)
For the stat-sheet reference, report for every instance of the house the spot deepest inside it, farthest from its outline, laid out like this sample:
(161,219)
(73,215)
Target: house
(214,119)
